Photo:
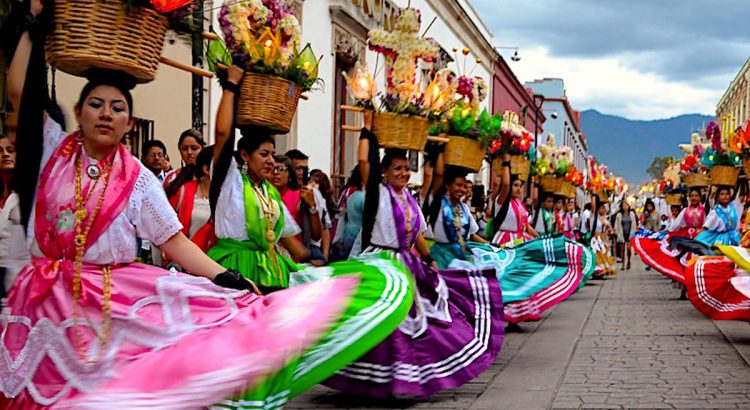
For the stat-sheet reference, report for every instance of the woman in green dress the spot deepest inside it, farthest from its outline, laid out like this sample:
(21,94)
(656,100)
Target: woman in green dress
(244,194)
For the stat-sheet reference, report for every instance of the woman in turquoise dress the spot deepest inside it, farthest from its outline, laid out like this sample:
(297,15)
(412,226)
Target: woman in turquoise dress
(721,224)
(452,227)
(251,221)
(535,272)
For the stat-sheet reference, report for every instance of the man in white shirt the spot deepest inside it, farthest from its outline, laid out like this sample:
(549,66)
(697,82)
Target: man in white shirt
(584,221)
(152,156)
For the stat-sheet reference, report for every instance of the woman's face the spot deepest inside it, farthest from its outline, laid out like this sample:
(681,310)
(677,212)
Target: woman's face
(602,211)
(280,177)
(571,206)
(625,207)
(517,189)
(104,117)
(548,203)
(695,198)
(189,150)
(650,208)
(724,197)
(397,175)
(260,162)
(457,189)
(559,204)
(7,155)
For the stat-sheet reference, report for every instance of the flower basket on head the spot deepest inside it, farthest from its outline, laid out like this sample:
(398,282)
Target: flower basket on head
(521,166)
(673,199)
(110,35)
(268,101)
(263,37)
(551,183)
(569,190)
(695,180)
(724,175)
(464,152)
(408,132)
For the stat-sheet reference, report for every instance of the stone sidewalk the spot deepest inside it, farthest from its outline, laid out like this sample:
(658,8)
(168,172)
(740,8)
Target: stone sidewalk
(625,342)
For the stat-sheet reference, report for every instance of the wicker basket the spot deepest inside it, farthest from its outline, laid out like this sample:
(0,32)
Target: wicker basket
(603,195)
(521,166)
(268,101)
(551,183)
(407,132)
(103,34)
(673,199)
(464,152)
(695,180)
(567,190)
(724,175)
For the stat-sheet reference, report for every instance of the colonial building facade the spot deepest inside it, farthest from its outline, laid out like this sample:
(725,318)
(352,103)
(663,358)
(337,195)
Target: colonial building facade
(734,105)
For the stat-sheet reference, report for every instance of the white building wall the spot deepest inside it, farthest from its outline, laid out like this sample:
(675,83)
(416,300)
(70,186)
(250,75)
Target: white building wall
(314,134)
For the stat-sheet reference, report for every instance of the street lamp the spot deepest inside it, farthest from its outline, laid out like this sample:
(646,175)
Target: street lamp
(515,57)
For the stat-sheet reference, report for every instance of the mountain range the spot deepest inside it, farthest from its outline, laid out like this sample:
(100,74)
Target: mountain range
(628,146)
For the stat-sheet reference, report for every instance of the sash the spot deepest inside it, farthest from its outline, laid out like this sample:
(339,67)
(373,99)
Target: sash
(522,216)
(449,225)
(549,221)
(54,227)
(182,202)
(399,217)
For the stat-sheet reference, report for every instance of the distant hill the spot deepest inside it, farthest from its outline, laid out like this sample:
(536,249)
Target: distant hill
(628,146)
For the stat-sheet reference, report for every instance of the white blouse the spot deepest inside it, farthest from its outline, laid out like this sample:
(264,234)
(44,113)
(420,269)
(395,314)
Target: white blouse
(714,223)
(147,214)
(438,233)
(230,209)
(200,216)
(510,223)
(384,231)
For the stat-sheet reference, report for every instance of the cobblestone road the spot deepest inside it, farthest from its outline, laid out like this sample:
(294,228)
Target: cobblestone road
(625,342)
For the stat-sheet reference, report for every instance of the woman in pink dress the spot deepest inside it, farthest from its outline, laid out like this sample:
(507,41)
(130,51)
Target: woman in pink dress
(85,326)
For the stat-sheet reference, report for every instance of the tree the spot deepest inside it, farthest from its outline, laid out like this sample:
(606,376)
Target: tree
(656,169)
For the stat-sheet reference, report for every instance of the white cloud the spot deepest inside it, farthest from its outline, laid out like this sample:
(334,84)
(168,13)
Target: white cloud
(612,87)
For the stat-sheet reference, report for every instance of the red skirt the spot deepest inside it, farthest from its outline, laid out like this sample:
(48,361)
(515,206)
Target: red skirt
(658,256)
(709,289)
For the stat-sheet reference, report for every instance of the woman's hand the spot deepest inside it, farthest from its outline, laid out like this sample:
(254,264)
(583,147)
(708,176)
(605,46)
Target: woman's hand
(36,7)
(235,74)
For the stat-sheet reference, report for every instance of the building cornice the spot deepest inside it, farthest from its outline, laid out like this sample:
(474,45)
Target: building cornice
(461,18)
(741,76)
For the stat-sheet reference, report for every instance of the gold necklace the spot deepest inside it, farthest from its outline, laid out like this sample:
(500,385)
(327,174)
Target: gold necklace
(407,212)
(457,214)
(81,237)
(267,207)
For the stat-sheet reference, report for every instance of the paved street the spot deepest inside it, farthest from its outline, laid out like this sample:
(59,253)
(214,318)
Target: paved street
(626,342)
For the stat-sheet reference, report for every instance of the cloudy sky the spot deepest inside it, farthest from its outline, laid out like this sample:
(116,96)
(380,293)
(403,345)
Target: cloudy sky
(642,59)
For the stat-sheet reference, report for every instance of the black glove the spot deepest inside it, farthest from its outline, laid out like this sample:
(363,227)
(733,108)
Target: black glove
(232,280)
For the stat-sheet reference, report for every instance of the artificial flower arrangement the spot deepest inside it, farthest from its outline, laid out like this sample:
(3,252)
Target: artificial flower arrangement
(719,153)
(513,139)
(721,159)
(263,36)
(400,117)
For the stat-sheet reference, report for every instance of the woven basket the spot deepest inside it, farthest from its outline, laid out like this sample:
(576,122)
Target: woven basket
(104,34)
(673,199)
(603,195)
(268,101)
(724,175)
(567,190)
(695,180)
(464,152)
(551,183)
(521,166)
(407,132)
